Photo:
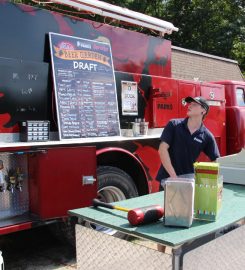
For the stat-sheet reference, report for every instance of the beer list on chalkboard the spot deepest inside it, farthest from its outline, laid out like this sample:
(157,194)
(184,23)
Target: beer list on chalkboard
(85,91)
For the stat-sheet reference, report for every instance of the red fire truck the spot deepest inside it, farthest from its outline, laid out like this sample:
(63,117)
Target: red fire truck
(41,180)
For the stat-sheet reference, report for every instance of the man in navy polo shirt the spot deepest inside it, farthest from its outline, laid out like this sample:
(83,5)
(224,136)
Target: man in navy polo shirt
(183,140)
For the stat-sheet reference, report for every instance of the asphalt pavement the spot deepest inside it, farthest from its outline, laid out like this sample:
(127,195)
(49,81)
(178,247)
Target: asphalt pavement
(36,249)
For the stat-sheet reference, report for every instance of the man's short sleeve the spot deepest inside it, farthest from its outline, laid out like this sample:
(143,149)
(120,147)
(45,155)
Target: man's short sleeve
(168,133)
(211,149)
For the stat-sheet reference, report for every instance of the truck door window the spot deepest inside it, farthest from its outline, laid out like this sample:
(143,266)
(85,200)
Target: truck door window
(240,97)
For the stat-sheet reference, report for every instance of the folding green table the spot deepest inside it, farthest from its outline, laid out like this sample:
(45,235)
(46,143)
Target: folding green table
(202,246)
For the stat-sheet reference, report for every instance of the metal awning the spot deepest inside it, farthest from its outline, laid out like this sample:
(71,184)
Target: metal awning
(121,14)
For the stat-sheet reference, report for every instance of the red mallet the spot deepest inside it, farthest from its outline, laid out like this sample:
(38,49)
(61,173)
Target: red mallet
(137,216)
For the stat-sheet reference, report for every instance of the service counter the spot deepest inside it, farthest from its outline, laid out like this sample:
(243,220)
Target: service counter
(12,142)
(205,245)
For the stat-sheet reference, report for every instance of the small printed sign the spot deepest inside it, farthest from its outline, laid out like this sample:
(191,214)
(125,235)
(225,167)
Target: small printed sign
(129,98)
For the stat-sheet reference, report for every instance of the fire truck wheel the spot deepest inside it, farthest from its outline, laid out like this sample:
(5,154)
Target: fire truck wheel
(113,185)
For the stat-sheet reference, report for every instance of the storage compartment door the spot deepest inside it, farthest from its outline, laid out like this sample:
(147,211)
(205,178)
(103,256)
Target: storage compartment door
(59,180)
(185,89)
(164,101)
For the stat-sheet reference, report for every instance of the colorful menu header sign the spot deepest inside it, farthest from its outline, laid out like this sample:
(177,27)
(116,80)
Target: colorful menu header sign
(85,89)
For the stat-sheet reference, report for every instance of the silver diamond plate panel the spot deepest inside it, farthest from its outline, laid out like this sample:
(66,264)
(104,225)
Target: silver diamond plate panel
(226,252)
(14,202)
(99,251)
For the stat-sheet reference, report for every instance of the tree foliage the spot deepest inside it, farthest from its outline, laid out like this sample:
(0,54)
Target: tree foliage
(215,27)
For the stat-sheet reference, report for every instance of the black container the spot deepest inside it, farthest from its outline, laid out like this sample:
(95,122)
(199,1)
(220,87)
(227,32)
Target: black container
(34,131)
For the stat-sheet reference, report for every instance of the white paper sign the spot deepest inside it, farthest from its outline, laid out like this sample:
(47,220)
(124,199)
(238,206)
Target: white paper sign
(129,98)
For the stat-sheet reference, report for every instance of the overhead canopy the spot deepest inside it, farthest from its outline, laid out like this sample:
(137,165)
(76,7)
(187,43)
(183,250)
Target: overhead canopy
(120,14)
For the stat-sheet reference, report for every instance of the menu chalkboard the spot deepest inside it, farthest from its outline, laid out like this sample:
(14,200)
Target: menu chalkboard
(85,89)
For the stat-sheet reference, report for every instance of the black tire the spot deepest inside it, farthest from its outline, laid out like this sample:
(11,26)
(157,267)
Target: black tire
(113,185)
(109,176)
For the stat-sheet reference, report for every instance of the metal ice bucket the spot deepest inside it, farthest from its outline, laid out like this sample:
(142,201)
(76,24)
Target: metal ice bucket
(179,201)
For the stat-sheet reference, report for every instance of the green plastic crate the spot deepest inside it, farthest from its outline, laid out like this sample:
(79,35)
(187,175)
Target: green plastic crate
(208,190)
